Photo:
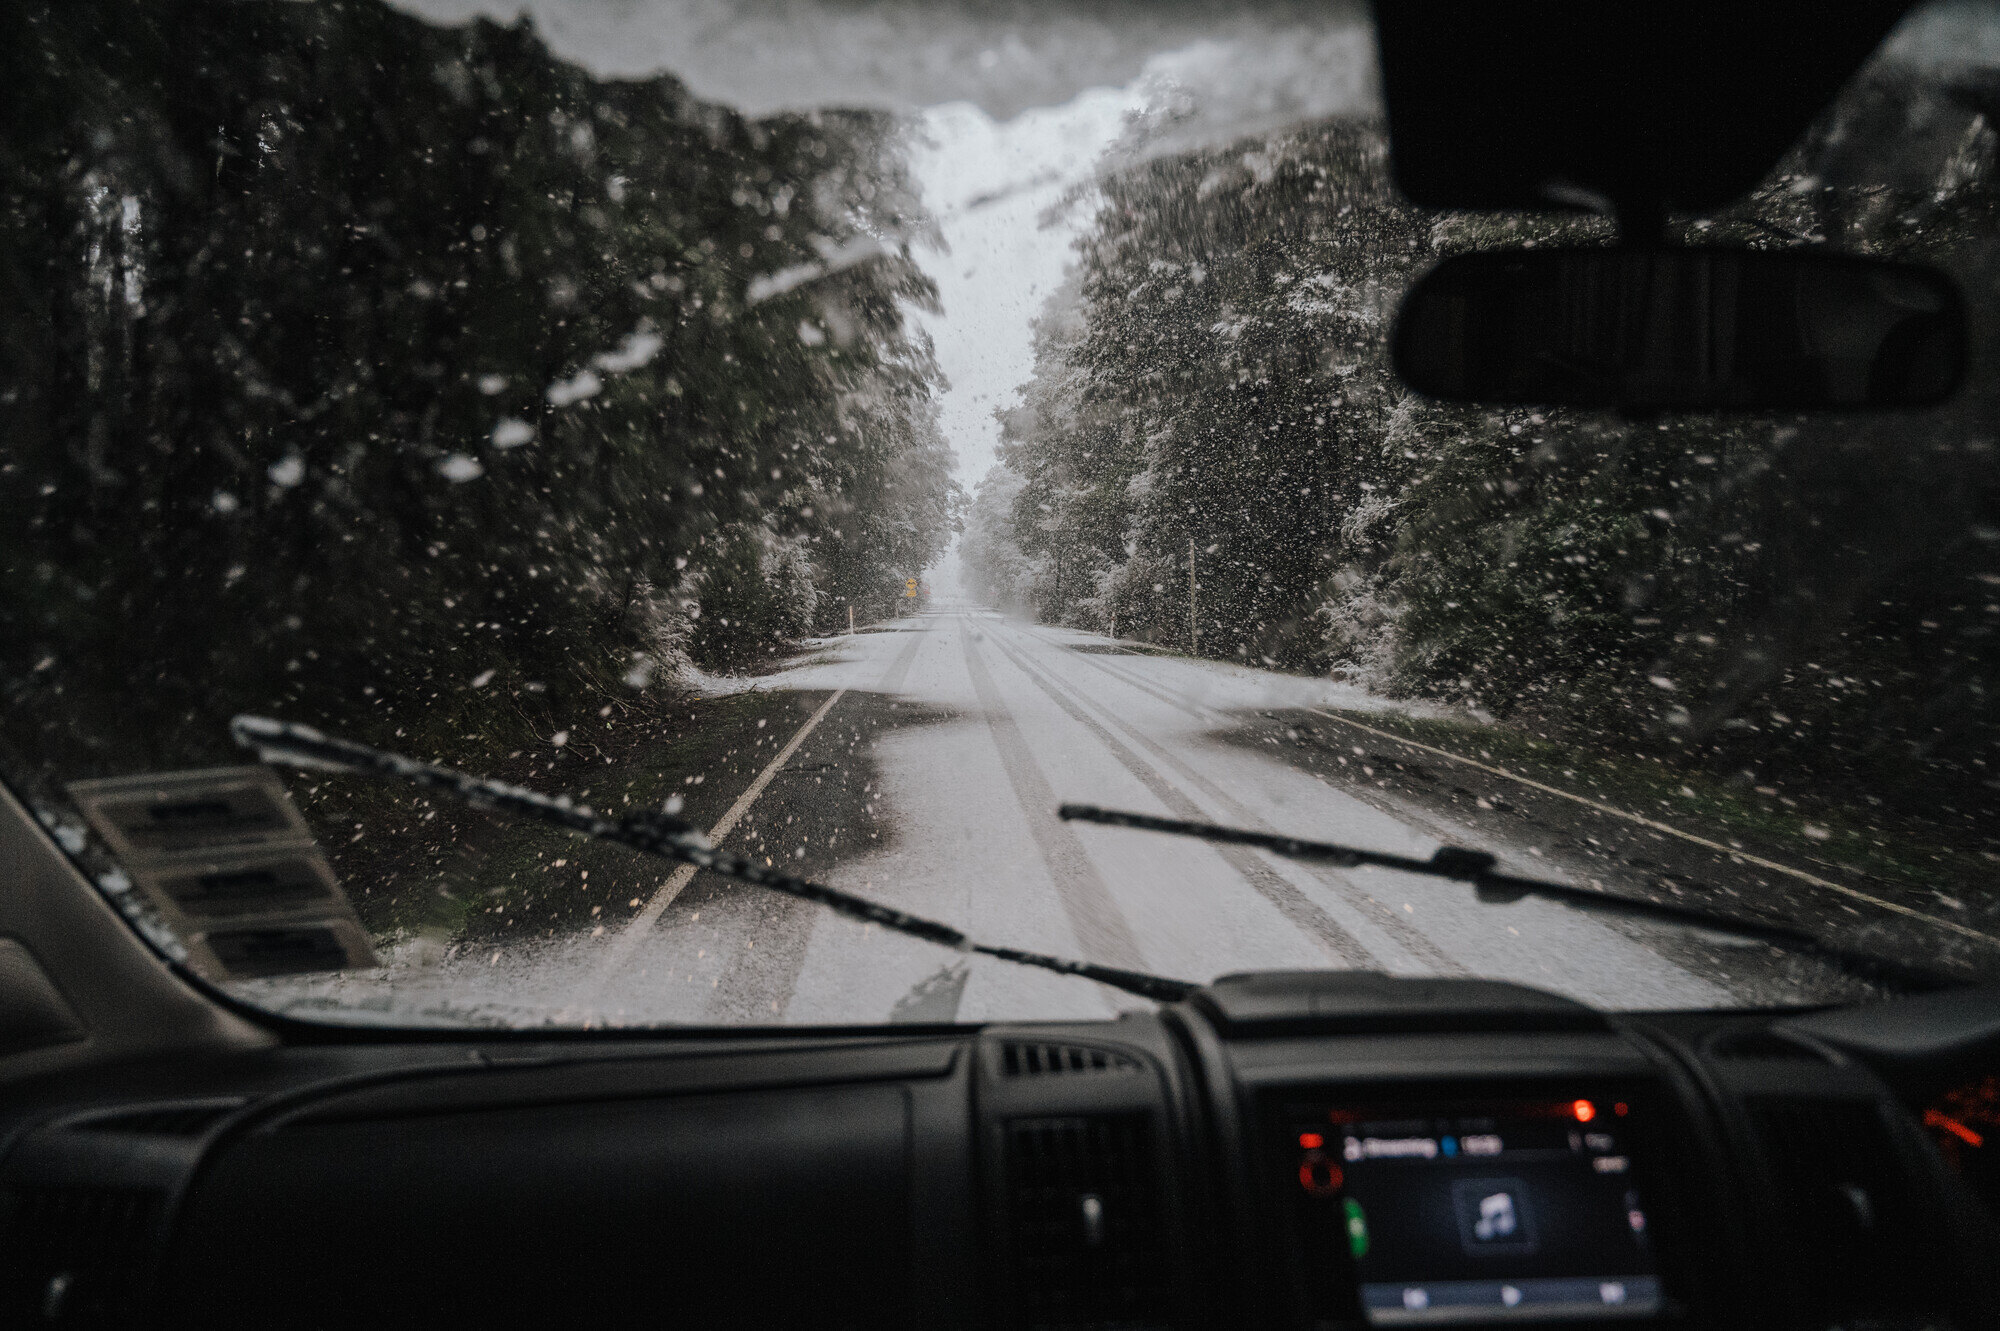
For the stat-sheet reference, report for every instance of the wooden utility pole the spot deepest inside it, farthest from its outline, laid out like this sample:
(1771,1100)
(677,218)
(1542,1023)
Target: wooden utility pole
(1194,632)
(850,619)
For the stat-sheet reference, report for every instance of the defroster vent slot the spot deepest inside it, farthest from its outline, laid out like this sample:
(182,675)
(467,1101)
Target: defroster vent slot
(1023,1058)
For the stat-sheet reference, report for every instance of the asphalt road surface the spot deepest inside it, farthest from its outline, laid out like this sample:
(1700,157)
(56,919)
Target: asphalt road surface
(926,774)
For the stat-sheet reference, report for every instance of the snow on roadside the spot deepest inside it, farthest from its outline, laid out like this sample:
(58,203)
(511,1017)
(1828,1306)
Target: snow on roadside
(856,662)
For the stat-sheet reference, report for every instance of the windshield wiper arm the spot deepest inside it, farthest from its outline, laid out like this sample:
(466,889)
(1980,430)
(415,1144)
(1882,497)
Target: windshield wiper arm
(1477,868)
(656,833)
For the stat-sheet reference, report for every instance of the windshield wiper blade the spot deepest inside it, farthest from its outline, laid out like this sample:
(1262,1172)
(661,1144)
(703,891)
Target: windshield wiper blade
(656,833)
(1478,868)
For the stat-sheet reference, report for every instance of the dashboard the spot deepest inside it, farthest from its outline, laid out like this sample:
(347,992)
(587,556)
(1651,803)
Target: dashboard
(1299,1149)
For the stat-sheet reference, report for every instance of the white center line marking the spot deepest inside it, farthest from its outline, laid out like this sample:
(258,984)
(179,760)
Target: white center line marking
(623,945)
(1743,855)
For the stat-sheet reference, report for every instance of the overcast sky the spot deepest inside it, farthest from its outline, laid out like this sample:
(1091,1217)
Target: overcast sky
(988,183)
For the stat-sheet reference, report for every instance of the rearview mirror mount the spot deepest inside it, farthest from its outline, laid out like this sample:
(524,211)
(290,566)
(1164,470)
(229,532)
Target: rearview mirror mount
(1655,329)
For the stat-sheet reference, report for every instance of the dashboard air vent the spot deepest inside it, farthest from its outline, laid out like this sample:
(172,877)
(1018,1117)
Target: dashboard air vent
(1023,1059)
(1084,1230)
(1837,1179)
(74,1255)
(184,1120)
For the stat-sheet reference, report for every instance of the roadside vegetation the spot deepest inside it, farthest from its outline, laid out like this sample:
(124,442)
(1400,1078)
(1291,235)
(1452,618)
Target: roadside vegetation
(1843,838)
(421,867)
(1804,604)
(407,381)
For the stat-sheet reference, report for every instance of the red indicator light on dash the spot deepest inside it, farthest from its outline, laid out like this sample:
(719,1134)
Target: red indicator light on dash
(1621,1109)
(1311,1141)
(1584,1111)
(1320,1176)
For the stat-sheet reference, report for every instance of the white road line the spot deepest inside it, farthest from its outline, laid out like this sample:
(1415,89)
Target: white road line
(622,947)
(1743,855)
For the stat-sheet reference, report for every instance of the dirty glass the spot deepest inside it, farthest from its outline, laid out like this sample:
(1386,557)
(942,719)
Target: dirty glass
(858,429)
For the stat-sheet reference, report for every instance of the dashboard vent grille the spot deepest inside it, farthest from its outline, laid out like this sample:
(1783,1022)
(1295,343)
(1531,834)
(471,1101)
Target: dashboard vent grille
(74,1255)
(187,1120)
(1086,1242)
(1023,1059)
(1836,1178)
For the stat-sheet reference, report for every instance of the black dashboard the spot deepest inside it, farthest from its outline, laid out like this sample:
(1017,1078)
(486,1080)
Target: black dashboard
(1285,1150)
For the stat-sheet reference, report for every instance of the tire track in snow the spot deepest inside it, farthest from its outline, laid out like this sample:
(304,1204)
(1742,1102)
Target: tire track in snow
(1290,902)
(898,672)
(1407,935)
(1103,934)
(1090,659)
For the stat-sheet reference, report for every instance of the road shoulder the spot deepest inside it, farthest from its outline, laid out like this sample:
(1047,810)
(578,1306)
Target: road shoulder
(1409,778)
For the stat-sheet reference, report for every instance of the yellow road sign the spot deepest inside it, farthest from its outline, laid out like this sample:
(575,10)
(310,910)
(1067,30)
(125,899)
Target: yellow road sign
(909,586)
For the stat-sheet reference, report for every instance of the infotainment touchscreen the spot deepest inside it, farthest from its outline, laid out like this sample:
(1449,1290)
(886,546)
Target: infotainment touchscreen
(1491,1212)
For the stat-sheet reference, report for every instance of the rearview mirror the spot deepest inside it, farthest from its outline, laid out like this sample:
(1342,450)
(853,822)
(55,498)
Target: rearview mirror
(1682,328)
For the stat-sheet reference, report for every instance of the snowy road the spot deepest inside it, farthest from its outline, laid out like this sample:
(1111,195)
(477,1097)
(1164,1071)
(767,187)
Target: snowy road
(1019,718)
(979,727)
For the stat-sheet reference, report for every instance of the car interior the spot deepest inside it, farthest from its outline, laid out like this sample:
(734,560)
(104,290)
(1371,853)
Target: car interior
(1299,1148)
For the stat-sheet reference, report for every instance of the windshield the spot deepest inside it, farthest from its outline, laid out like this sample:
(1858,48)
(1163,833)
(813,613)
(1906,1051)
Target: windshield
(859,430)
